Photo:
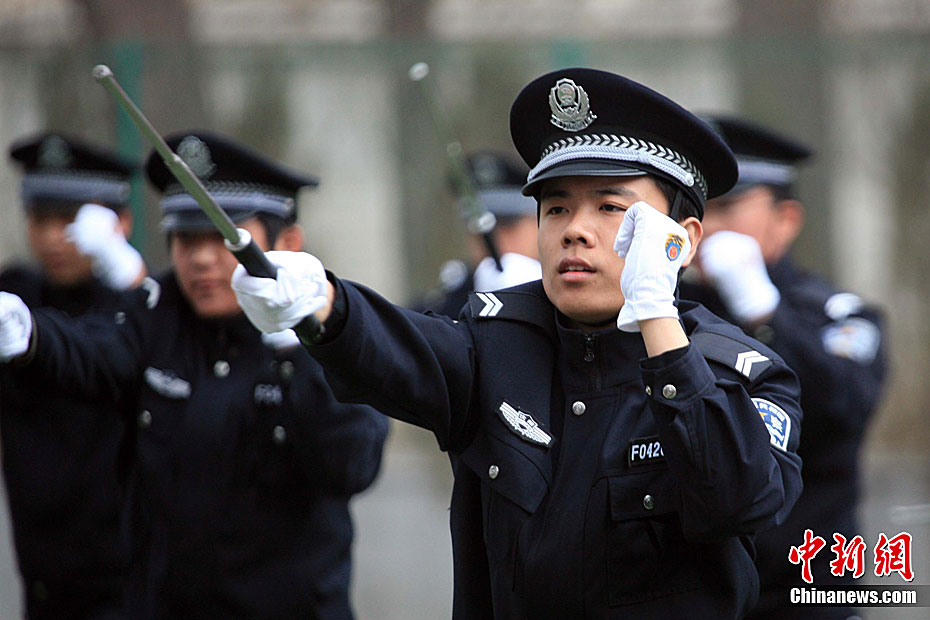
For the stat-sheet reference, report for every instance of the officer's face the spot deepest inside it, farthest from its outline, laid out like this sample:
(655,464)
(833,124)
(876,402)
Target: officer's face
(204,268)
(578,222)
(61,262)
(755,212)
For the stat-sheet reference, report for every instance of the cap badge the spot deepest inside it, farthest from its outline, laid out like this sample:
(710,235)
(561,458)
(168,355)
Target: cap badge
(54,152)
(196,154)
(673,246)
(571,110)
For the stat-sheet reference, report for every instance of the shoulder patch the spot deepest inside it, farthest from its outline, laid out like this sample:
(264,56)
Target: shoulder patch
(853,338)
(777,422)
(740,356)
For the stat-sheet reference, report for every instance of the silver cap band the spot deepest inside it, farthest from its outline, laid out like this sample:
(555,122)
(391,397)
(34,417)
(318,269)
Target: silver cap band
(621,149)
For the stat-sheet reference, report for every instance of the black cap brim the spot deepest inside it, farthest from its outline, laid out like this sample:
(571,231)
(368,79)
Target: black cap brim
(190,220)
(582,168)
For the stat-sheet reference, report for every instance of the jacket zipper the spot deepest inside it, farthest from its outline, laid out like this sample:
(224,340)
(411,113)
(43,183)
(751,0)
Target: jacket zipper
(594,376)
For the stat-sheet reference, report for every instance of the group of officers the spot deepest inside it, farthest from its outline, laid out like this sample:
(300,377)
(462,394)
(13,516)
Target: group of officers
(627,437)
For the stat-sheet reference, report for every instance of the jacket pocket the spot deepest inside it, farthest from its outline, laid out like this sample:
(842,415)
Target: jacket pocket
(647,555)
(512,489)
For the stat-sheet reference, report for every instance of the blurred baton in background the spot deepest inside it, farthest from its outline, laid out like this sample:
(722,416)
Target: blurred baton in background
(479,220)
(238,240)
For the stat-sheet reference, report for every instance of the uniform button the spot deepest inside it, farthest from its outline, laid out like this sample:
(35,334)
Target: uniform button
(493,470)
(279,434)
(649,503)
(120,318)
(145,419)
(221,369)
(648,391)
(669,391)
(578,407)
(589,357)
(286,370)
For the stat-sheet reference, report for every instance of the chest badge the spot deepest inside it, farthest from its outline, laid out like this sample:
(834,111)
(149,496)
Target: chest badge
(166,383)
(524,425)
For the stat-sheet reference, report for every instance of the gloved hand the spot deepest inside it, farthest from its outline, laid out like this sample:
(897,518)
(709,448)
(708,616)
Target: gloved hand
(280,341)
(15,327)
(96,233)
(654,246)
(276,305)
(733,264)
(517,270)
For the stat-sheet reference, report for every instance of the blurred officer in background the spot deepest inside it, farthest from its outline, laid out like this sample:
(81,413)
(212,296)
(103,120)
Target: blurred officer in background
(245,462)
(609,473)
(830,338)
(63,458)
(498,179)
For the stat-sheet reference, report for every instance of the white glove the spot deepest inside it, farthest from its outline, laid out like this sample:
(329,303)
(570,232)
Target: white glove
(282,303)
(654,246)
(15,327)
(517,270)
(96,233)
(733,264)
(280,341)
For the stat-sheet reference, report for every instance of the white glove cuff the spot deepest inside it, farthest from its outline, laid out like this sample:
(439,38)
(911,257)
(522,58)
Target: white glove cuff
(281,340)
(633,312)
(118,265)
(15,327)
(748,306)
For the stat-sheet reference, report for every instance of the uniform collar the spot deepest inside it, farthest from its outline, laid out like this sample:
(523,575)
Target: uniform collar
(597,360)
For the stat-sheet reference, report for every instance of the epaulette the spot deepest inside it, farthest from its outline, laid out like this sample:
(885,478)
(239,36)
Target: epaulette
(526,302)
(748,357)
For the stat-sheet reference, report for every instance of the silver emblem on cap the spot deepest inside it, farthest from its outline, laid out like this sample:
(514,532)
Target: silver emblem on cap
(196,154)
(54,152)
(570,107)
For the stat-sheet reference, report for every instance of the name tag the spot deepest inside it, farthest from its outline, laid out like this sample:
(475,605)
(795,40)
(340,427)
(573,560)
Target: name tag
(645,450)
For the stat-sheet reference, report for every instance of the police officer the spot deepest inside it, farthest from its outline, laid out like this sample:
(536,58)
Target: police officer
(498,180)
(831,338)
(245,462)
(611,473)
(63,457)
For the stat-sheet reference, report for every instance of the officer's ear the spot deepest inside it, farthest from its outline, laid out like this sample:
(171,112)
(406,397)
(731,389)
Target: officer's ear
(695,234)
(788,223)
(125,221)
(290,239)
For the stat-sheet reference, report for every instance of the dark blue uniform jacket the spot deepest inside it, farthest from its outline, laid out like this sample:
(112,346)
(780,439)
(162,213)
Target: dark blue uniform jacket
(245,462)
(65,470)
(590,482)
(834,342)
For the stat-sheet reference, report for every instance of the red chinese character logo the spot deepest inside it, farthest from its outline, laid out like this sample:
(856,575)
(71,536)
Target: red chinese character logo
(849,557)
(893,555)
(805,553)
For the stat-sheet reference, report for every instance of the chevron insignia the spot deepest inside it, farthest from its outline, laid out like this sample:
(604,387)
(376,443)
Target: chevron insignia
(746,359)
(492,305)
(524,425)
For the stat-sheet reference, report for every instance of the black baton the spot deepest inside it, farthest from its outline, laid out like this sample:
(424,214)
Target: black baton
(238,240)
